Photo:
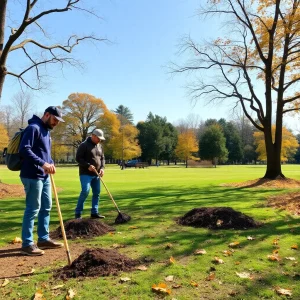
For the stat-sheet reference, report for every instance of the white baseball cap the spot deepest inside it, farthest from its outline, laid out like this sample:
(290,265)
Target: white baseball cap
(99,133)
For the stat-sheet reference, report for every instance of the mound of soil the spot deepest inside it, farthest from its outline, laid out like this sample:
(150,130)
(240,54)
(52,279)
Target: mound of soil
(97,262)
(83,228)
(217,218)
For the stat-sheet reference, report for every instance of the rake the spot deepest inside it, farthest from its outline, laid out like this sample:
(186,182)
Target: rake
(122,217)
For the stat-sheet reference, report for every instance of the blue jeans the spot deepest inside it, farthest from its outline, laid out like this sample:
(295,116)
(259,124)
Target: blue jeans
(88,182)
(38,203)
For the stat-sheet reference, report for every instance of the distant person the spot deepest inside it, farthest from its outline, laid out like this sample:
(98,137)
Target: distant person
(90,157)
(35,149)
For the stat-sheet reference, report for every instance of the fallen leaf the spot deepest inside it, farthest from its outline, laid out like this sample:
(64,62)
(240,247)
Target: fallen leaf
(273,257)
(280,291)
(29,273)
(244,275)
(161,288)
(16,240)
(5,282)
(250,238)
(211,276)
(142,268)
(290,258)
(168,246)
(172,260)
(200,252)
(70,294)
(124,279)
(57,287)
(219,223)
(176,286)
(38,296)
(227,252)
(45,286)
(169,278)
(275,251)
(275,241)
(133,227)
(194,283)
(218,260)
(233,293)
(295,247)
(234,244)
(237,263)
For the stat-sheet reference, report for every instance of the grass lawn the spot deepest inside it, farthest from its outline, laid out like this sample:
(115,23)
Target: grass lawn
(153,197)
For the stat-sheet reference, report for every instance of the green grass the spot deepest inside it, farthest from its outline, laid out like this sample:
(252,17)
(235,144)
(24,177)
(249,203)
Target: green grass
(153,197)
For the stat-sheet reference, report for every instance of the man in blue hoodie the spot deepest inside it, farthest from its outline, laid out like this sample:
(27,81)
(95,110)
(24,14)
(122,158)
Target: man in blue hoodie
(35,149)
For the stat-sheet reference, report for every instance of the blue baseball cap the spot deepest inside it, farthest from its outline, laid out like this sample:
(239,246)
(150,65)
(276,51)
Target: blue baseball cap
(55,111)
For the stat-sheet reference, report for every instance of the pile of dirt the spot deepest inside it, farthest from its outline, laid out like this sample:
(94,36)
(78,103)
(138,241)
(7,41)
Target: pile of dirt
(217,218)
(97,262)
(82,228)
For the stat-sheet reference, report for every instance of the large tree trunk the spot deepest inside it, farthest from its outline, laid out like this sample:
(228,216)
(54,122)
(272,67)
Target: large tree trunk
(2,27)
(273,151)
(273,163)
(2,78)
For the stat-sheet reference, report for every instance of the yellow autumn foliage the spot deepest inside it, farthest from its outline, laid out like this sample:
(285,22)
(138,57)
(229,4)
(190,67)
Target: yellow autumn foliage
(4,137)
(289,144)
(187,144)
(124,143)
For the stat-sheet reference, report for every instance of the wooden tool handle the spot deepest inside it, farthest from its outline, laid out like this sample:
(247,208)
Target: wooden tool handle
(61,220)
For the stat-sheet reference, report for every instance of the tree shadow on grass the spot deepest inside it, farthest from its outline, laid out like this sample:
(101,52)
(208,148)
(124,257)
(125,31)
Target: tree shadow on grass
(159,204)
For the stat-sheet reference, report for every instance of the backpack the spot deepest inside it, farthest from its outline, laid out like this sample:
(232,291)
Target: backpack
(13,159)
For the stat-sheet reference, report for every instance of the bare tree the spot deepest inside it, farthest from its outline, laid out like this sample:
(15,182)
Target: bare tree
(255,66)
(23,105)
(191,122)
(49,53)
(7,119)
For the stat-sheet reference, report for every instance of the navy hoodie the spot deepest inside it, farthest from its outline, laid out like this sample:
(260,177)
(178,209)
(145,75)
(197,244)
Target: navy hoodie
(35,149)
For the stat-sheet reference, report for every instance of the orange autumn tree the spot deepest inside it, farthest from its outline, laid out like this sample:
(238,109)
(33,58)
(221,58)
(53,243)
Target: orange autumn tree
(255,66)
(110,125)
(187,144)
(82,112)
(289,144)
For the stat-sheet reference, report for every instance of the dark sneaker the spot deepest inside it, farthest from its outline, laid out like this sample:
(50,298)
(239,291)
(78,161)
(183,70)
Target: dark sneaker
(97,216)
(32,250)
(78,216)
(49,244)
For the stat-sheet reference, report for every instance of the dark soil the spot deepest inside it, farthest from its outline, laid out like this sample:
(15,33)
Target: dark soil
(82,228)
(217,218)
(97,262)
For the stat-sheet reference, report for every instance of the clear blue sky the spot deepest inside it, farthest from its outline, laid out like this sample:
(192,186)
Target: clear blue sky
(129,71)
